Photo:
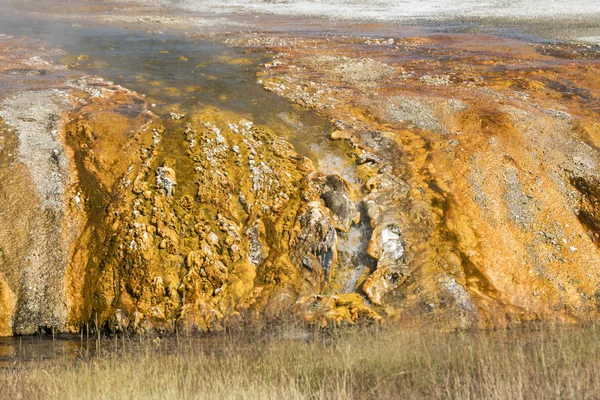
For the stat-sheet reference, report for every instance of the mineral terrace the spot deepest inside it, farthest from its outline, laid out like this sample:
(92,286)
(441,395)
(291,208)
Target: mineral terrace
(473,195)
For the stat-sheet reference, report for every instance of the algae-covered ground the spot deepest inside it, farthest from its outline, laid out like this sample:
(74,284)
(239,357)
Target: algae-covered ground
(223,171)
(420,200)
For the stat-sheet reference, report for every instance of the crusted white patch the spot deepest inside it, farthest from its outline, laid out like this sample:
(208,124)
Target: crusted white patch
(39,147)
(35,115)
(391,243)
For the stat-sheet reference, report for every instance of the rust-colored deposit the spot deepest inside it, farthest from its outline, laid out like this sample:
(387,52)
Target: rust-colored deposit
(473,199)
(480,155)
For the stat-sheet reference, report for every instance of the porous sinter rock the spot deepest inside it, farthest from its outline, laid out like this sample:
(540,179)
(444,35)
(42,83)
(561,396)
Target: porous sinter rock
(473,199)
(479,173)
(244,228)
(36,228)
(133,221)
(38,269)
(48,216)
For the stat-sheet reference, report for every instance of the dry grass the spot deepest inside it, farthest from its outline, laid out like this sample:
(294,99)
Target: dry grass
(359,363)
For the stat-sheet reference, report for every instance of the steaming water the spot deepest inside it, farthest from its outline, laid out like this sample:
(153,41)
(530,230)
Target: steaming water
(191,74)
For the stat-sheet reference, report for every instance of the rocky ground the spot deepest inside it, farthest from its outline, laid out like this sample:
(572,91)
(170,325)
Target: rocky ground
(471,198)
(483,167)
(139,222)
(479,168)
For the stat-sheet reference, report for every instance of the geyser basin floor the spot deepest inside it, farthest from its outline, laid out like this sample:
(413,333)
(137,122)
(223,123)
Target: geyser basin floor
(448,177)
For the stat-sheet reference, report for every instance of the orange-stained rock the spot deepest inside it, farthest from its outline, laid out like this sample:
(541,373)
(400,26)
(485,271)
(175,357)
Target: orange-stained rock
(472,198)
(480,172)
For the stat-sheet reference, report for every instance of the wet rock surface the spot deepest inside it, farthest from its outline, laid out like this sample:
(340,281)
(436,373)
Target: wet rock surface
(473,181)
(151,222)
(460,193)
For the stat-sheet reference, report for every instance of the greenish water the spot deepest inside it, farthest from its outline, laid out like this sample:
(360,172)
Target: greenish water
(188,73)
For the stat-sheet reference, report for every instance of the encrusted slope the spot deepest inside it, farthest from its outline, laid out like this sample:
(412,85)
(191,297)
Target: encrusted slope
(473,201)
